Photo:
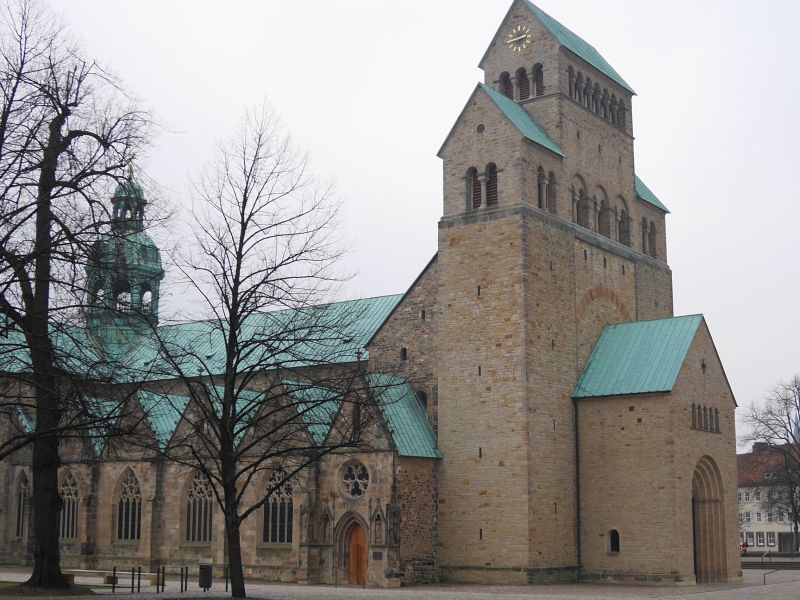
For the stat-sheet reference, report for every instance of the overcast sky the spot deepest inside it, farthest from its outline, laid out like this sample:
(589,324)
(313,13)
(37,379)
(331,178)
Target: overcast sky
(371,88)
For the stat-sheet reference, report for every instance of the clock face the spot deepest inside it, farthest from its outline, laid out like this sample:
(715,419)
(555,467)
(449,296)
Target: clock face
(519,38)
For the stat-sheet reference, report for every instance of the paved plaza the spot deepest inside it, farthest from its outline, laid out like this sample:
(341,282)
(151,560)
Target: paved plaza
(783,585)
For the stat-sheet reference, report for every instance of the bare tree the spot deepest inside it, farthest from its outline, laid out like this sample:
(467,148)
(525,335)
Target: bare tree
(67,131)
(274,377)
(776,422)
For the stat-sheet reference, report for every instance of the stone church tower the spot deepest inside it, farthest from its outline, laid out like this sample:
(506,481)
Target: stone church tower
(547,237)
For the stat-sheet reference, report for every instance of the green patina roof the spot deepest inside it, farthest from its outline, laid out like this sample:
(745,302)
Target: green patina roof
(318,407)
(577,45)
(643,193)
(164,411)
(129,189)
(405,416)
(522,120)
(638,358)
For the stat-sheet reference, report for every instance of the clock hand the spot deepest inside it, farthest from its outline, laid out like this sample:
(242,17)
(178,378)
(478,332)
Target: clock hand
(522,37)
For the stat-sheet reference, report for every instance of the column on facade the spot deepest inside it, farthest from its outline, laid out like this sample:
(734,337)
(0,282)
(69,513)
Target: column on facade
(483,179)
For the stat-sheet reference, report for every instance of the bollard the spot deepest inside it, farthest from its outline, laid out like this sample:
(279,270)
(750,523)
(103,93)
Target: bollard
(133,578)
(226,578)
(158,580)
(114,579)
(139,580)
(163,578)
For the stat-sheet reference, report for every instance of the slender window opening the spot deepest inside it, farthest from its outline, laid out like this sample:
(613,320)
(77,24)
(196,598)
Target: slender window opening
(538,80)
(473,188)
(506,86)
(68,519)
(491,185)
(523,84)
(199,505)
(129,508)
(613,540)
(22,501)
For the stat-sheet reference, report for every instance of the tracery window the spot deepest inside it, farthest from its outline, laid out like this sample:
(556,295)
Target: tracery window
(22,501)
(129,508)
(278,512)
(356,479)
(68,520)
(199,509)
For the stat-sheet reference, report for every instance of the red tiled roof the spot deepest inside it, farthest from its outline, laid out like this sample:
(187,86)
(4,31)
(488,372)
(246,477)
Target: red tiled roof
(752,467)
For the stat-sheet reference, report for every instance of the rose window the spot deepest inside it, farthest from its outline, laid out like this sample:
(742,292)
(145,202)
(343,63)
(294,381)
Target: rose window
(356,479)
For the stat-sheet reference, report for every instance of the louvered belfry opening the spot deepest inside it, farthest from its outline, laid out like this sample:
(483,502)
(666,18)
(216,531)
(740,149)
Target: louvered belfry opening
(507,86)
(523,84)
(474,187)
(538,80)
(491,185)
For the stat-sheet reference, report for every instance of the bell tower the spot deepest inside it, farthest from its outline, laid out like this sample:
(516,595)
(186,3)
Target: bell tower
(124,273)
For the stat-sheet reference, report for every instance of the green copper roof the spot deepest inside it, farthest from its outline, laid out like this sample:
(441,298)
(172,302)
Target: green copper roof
(129,189)
(164,411)
(638,358)
(405,416)
(317,406)
(577,45)
(643,193)
(522,120)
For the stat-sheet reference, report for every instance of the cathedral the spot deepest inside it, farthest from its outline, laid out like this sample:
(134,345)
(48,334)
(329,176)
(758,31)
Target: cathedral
(556,421)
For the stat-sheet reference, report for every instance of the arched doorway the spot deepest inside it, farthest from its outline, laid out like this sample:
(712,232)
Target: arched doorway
(708,523)
(356,555)
(351,559)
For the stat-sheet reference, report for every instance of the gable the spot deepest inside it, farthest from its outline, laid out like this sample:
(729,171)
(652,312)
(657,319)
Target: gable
(638,358)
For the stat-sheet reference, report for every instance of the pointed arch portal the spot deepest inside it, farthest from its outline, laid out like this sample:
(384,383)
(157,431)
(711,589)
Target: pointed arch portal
(352,549)
(708,523)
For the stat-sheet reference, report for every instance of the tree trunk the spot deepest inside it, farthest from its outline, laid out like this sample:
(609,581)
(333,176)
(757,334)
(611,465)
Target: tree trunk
(46,497)
(235,557)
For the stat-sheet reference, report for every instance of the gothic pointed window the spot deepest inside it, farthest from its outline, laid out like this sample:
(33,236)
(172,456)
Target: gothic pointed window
(68,519)
(129,508)
(491,184)
(644,236)
(199,510)
(506,87)
(278,512)
(538,80)
(473,188)
(22,504)
(613,541)
(523,84)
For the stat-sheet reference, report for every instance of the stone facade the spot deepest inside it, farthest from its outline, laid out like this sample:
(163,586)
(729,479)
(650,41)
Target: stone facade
(546,238)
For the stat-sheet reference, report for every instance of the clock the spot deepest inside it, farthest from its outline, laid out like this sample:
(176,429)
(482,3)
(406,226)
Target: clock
(519,38)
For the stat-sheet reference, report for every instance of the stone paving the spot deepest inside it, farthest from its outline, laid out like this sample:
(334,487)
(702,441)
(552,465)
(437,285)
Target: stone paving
(783,585)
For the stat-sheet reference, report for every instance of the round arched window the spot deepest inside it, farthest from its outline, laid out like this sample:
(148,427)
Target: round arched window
(355,478)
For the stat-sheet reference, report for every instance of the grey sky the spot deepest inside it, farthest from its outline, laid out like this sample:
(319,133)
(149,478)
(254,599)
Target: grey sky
(371,88)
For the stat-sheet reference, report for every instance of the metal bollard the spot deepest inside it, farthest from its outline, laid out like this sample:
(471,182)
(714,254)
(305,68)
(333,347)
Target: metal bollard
(163,578)
(226,578)
(114,579)
(133,578)
(139,580)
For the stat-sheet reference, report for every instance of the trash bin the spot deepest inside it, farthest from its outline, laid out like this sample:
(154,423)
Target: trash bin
(205,575)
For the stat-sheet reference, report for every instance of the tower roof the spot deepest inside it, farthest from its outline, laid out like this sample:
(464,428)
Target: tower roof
(129,189)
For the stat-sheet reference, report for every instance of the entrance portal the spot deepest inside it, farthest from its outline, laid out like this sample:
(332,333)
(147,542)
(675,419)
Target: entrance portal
(708,523)
(356,555)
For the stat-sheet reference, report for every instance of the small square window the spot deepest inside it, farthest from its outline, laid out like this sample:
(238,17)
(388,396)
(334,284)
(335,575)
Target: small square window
(760,538)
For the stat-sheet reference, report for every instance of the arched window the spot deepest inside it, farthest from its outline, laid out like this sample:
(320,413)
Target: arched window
(651,240)
(122,295)
(579,87)
(588,93)
(491,184)
(506,87)
(583,209)
(146,298)
(605,219)
(278,512)
(604,104)
(523,84)
(99,294)
(571,77)
(541,188)
(597,99)
(68,520)
(716,420)
(624,228)
(621,115)
(550,195)
(644,236)
(612,110)
(473,188)
(129,508)
(694,417)
(199,509)
(538,80)
(22,503)
(613,541)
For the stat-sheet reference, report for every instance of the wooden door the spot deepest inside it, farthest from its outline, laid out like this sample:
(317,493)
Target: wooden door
(357,546)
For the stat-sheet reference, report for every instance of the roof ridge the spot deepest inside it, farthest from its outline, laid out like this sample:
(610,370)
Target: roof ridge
(577,45)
